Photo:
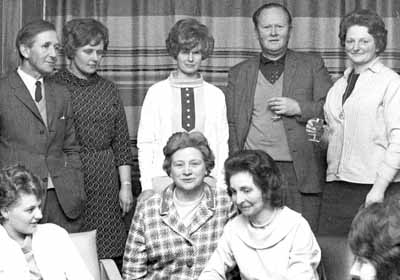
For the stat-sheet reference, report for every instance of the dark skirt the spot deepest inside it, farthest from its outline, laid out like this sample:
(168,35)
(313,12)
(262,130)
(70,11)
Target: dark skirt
(341,202)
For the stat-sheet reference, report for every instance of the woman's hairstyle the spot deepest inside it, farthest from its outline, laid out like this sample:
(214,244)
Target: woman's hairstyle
(81,32)
(267,6)
(369,19)
(375,236)
(187,34)
(182,140)
(262,168)
(16,180)
(28,32)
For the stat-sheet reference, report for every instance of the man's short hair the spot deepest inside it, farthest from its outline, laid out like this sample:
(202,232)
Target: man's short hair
(266,6)
(28,32)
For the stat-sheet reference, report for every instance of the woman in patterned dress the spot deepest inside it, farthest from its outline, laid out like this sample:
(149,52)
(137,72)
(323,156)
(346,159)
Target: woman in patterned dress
(102,131)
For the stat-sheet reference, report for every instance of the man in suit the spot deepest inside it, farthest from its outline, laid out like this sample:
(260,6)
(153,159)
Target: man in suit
(36,126)
(269,99)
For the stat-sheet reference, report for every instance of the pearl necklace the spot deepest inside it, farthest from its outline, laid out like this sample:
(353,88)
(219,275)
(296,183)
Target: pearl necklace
(271,218)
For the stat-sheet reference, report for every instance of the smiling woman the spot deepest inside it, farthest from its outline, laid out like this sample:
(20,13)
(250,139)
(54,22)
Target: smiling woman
(182,102)
(174,233)
(268,240)
(28,250)
(362,113)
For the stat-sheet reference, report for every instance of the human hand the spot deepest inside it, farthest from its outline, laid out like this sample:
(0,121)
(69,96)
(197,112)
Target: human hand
(315,129)
(377,192)
(284,106)
(373,196)
(125,198)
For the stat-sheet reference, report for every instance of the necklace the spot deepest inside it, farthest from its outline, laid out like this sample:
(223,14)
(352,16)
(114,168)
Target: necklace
(263,225)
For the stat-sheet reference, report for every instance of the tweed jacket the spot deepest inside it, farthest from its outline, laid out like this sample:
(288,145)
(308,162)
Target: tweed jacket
(307,81)
(160,246)
(25,139)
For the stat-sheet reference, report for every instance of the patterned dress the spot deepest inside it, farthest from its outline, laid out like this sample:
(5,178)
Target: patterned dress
(102,132)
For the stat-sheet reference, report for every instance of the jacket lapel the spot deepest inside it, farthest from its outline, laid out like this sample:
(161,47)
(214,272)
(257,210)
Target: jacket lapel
(168,213)
(22,93)
(289,73)
(247,79)
(50,103)
(251,78)
(205,211)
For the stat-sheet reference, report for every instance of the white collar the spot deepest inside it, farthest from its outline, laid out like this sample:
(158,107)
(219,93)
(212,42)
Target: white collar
(29,81)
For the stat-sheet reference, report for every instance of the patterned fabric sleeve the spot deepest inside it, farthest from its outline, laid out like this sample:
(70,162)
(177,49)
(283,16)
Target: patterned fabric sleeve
(120,143)
(135,256)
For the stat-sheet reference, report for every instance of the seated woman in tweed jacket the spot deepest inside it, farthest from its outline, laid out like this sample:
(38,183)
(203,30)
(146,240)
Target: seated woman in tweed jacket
(174,233)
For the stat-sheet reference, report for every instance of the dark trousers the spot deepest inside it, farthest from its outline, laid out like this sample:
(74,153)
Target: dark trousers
(308,204)
(341,202)
(53,213)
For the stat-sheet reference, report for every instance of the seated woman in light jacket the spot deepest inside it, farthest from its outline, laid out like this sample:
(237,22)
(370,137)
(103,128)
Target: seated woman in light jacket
(30,251)
(268,240)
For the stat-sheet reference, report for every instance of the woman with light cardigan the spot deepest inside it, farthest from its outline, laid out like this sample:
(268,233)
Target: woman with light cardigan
(268,240)
(182,102)
(362,112)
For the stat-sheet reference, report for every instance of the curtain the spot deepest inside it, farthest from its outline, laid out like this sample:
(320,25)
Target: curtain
(10,23)
(138,28)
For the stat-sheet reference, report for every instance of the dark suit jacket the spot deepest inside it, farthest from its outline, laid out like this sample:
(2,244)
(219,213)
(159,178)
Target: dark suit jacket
(25,139)
(307,81)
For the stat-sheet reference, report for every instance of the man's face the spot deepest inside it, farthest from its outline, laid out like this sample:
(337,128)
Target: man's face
(273,32)
(41,56)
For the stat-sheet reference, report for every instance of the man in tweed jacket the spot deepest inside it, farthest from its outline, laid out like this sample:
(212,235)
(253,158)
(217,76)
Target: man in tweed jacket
(269,99)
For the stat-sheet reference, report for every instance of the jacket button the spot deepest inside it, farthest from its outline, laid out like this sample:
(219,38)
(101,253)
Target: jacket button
(41,132)
(189,263)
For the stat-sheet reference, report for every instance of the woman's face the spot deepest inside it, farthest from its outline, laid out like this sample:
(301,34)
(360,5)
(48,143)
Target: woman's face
(247,196)
(22,217)
(363,269)
(86,60)
(188,62)
(360,45)
(188,169)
